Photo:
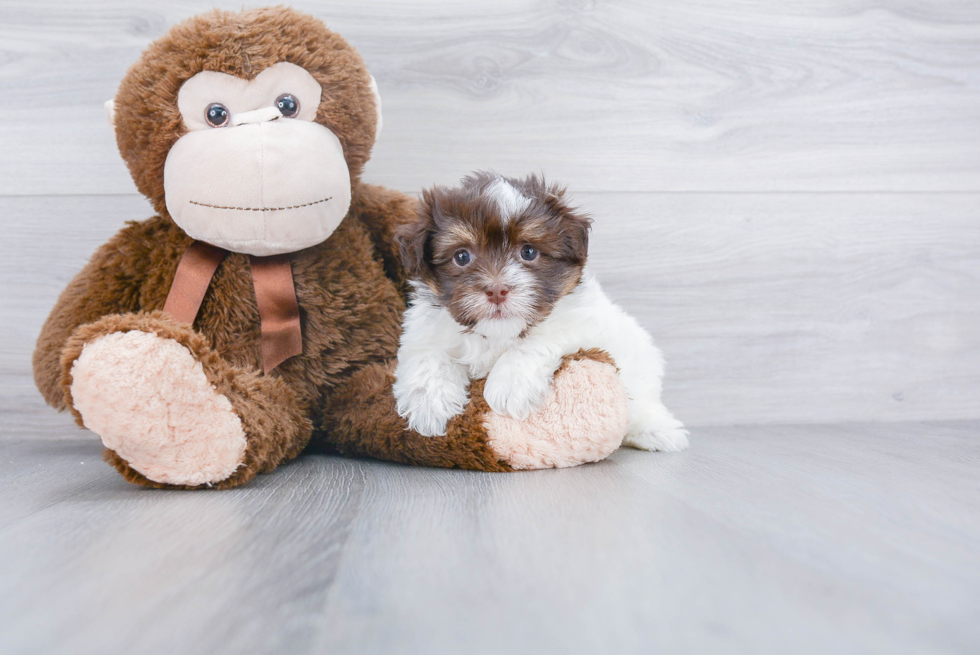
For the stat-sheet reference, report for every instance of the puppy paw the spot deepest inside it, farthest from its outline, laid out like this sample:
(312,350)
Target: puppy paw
(516,388)
(428,408)
(653,427)
(429,420)
(664,438)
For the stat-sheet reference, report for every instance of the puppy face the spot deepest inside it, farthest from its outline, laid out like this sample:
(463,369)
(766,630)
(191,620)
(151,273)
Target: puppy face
(496,249)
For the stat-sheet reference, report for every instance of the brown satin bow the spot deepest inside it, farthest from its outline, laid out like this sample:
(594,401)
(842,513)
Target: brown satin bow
(272,278)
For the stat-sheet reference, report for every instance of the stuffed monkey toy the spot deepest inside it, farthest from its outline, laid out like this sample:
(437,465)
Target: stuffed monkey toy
(260,308)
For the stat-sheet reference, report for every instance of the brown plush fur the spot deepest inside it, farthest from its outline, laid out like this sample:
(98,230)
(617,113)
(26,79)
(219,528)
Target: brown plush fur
(350,288)
(368,399)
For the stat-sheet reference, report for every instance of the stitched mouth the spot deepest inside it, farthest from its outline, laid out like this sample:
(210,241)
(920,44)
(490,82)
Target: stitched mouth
(259,209)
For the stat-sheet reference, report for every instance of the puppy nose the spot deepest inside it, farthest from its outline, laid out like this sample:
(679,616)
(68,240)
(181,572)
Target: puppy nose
(497,293)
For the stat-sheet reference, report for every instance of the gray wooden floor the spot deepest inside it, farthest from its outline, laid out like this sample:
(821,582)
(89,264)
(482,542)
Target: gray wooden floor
(858,538)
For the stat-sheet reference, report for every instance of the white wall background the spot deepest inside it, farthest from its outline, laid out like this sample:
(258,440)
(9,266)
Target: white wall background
(787,194)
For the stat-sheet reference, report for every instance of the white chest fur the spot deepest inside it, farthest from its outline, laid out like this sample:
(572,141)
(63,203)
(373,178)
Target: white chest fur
(479,353)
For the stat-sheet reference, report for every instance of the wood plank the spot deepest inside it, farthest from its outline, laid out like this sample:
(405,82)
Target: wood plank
(769,308)
(718,95)
(806,539)
(801,308)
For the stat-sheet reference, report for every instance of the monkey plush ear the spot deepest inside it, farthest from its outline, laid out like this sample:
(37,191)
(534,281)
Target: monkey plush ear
(110,112)
(377,106)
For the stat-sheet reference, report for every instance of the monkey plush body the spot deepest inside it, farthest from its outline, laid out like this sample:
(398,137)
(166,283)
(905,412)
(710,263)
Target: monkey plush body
(248,132)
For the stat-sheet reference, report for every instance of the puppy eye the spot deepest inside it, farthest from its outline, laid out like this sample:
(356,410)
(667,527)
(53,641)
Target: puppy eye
(217,115)
(461,257)
(288,105)
(529,253)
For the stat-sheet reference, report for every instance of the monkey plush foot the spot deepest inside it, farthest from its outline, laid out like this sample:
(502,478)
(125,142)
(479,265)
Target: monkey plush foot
(149,400)
(173,413)
(583,419)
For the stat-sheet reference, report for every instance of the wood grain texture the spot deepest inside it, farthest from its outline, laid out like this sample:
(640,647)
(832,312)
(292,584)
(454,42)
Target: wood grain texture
(769,308)
(729,95)
(801,308)
(832,539)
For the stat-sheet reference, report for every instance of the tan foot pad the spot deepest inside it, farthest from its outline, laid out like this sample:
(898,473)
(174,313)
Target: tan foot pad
(149,400)
(584,419)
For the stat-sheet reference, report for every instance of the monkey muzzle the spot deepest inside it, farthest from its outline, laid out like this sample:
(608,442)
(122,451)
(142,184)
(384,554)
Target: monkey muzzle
(263,185)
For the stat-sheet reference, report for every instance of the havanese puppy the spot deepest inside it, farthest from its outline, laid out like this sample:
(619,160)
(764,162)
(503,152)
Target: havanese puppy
(500,291)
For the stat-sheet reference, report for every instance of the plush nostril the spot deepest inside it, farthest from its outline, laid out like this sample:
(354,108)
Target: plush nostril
(263,115)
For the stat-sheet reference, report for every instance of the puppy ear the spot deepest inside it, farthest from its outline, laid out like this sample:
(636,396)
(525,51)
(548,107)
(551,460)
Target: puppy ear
(413,239)
(574,225)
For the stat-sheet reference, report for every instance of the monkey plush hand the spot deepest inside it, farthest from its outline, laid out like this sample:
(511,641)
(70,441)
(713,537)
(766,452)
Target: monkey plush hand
(261,307)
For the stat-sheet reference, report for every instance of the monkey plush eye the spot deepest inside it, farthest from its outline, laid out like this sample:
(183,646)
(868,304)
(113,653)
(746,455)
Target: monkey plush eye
(461,257)
(217,115)
(529,253)
(288,105)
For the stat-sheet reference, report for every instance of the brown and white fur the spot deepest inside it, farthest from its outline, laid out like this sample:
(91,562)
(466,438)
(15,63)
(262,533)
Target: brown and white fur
(500,291)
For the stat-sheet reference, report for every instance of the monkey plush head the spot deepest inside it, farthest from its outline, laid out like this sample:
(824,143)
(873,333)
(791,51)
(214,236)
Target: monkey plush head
(248,129)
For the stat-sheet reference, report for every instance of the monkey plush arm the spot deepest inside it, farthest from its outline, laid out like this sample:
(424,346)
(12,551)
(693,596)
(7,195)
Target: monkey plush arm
(383,211)
(108,284)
